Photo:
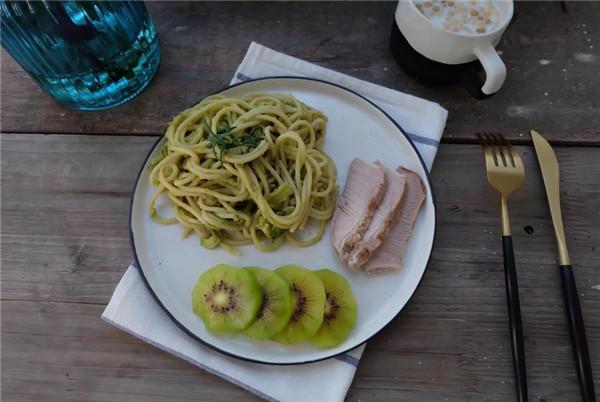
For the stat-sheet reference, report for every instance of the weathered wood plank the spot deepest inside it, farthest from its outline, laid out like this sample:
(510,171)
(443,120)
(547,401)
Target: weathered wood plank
(65,202)
(74,200)
(63,351)
(553,79)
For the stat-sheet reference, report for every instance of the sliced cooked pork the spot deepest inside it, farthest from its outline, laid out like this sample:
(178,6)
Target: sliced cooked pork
(365,186)
(390,256)
(382,220)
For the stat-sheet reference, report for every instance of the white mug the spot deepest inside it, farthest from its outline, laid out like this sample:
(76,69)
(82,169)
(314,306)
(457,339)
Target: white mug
(443,46)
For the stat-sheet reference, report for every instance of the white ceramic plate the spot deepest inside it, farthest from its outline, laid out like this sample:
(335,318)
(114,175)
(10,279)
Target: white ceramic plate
(356,128)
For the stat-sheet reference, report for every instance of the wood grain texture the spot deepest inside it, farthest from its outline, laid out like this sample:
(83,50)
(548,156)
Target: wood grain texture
(553,60)
(65,201)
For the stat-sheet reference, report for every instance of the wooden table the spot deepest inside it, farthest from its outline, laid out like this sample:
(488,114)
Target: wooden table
(67,178)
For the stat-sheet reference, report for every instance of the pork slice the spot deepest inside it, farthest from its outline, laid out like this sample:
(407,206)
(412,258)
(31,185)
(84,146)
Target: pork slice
(390,256)
(382,220)
(364,188)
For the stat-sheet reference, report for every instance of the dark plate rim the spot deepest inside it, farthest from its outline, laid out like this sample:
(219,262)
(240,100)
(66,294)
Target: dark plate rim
(210,345)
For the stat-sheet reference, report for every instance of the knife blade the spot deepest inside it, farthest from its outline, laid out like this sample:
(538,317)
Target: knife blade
(551,175)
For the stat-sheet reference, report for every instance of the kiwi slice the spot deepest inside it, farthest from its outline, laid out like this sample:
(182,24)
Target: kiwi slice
(308,296)
(340,310)
(227,299)
(276,308)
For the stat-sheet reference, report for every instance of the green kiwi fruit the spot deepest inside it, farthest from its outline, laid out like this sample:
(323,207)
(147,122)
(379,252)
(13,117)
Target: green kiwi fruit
(340,310)
(308,296)
(276,308)
(227,299)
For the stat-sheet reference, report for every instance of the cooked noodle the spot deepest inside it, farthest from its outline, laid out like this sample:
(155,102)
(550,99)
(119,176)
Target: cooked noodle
(246,170)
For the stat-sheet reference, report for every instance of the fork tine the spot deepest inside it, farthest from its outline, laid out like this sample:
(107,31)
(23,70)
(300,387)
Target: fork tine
(509,150)
(492,145)
(516,158)
(499,148)
(489,157)
(487,153)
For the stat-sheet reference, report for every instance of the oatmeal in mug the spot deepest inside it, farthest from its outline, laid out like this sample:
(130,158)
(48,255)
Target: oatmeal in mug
(472,17)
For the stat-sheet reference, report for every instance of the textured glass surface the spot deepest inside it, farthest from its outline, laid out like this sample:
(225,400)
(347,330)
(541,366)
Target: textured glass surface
(88,55)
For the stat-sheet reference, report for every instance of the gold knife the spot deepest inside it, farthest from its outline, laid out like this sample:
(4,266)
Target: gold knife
(550,173)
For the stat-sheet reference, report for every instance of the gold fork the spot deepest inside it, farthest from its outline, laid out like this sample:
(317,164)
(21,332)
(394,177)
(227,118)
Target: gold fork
(505,172)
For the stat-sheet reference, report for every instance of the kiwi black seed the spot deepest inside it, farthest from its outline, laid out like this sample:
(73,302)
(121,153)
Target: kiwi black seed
(227,299)
(276,308)
(309,302)
(339,315)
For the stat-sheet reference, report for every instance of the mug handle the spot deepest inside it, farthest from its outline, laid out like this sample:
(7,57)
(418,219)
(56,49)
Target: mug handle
(495,70)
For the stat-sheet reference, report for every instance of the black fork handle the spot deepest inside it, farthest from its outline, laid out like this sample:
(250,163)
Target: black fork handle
(514,318)
(577,330)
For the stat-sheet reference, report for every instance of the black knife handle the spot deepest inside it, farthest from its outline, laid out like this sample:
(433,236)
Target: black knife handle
(577,330)
(514,318)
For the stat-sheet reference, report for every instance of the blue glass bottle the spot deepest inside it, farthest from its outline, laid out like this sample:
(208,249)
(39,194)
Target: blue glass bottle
(89,55)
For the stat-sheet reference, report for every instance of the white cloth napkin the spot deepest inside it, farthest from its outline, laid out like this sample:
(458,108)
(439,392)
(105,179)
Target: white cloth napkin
(133,309)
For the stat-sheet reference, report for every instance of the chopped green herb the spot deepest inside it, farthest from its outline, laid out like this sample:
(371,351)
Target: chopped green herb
(280,194)
(276,232)
(288,210)
(225,139)
(271,232)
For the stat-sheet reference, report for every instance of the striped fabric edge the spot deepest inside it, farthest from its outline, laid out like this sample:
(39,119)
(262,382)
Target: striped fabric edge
(346,358)
(192,361)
